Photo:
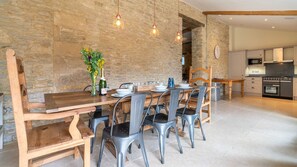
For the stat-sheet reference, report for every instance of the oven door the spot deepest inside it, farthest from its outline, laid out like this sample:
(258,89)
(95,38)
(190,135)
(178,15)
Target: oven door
(270,89)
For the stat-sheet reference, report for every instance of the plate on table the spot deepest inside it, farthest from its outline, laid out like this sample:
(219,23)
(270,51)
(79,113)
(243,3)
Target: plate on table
(118,95)
(159,90)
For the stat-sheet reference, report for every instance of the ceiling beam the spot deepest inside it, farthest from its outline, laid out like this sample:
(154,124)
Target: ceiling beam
(256,13)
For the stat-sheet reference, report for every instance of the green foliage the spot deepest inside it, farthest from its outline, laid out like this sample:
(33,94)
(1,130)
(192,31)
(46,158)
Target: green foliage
(93,59)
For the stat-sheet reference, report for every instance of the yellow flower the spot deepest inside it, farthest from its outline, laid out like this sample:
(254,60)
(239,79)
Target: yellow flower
(96,73)
(89,68)
(100,63)
(87,49)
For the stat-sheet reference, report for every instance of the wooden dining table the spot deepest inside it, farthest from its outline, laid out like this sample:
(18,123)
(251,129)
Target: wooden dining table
(63,102)
(229,82)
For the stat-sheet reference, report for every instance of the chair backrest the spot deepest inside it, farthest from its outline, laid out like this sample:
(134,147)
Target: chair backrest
(18,89)
(124,85)
(200,100)
(205,71)
(173,103)
(137,102)
(208,80)
(87,88)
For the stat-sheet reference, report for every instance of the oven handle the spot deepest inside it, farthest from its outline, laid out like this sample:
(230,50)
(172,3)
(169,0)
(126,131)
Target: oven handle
(286,81)
(276,85)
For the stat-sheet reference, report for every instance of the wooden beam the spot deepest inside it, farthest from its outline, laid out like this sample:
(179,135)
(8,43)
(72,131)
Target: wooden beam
(257,13)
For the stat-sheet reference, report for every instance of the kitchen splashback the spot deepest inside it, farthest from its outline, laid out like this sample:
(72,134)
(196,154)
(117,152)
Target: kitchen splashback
(279,69)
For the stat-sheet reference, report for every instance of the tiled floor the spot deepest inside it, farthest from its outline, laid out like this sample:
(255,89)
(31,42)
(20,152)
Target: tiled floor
(250,131)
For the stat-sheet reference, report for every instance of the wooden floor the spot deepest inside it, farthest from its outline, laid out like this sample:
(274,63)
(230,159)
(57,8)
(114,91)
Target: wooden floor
(249,131)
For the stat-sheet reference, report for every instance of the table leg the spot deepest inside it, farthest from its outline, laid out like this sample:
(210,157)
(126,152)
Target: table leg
(242,88)
(230,89)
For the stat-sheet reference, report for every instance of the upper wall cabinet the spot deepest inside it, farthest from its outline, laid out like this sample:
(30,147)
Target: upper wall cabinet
(255,54)
(268,55)
(295,55)
(289,53)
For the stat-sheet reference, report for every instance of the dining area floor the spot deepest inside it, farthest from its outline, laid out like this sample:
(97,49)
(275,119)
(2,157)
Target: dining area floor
(248,131)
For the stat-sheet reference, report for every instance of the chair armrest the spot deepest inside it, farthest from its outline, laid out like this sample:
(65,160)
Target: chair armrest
(31,116)
(36,105)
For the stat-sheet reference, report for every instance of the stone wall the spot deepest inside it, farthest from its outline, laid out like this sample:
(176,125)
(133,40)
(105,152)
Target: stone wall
(48,36)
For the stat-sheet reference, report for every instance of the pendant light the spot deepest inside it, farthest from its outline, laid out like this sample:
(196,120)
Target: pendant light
(154,32)
(179,35)
(118,23)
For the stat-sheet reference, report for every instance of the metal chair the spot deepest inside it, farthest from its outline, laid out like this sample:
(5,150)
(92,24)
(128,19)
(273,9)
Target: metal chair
(163,122)
(190,115)
(96,119)
(124,134)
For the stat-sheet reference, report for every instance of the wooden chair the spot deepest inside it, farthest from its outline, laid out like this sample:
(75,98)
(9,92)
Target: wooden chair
(207,101)
(47,143)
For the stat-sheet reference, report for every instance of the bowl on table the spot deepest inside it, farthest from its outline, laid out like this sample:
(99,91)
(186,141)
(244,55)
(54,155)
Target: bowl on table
(184,85)
(160,87)
(123,92)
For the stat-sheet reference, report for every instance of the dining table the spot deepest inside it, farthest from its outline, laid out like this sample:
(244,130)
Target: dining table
(229,82)
(63,102)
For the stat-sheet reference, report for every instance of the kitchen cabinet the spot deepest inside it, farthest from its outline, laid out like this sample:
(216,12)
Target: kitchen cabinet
(268,55)
(289,53)
(237,66)
(295,88)
(255,54)
(253,85)
(295,55)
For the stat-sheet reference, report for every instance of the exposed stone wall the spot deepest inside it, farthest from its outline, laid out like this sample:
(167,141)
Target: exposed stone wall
(48,35)
(218,34)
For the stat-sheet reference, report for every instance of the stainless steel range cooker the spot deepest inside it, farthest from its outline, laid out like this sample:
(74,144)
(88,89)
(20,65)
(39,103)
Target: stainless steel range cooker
(280,87)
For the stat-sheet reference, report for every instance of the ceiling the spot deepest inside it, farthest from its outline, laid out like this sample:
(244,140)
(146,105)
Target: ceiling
(288,23)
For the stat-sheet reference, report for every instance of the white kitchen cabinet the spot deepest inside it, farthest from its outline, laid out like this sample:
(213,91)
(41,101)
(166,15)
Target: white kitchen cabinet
(295,55)
(255,54)
(237,66)
(289,53)
(253,85)
(295,88)
(268,55)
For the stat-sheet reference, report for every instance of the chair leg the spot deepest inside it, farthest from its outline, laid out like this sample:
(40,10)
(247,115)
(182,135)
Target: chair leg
(201,129)
(191,132)
(162,146)
(168,133)
(183,124)
(121,156)
(101,151)
(177,138)
(23,162)
(141,144)
(130,149)
(87,157)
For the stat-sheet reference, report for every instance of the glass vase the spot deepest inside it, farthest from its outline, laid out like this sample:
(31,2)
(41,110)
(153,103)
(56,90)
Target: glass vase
(93,89)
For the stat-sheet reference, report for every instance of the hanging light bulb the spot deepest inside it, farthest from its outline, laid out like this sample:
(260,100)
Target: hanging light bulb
(154,32)
(179,36)
(118,23)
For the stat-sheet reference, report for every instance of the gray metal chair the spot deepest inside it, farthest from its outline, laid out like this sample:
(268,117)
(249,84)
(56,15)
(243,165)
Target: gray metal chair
(96,119)
(124,134)
(163,122)
(190,115)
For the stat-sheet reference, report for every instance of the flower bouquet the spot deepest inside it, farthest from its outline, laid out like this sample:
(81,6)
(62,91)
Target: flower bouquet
(94,61)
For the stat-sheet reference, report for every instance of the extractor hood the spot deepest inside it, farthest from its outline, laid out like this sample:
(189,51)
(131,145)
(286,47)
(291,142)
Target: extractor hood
(278,56)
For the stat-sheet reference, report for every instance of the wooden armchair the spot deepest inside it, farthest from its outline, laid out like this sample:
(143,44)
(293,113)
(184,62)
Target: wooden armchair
(47,143)
(207,102)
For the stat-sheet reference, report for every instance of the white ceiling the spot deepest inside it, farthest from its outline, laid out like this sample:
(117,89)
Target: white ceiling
(288,23)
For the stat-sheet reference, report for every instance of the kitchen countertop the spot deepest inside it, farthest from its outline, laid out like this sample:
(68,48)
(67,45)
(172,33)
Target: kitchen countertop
(257,75)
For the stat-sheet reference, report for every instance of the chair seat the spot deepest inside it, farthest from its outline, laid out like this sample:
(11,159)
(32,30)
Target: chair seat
(160,118)
(119,130)
(55,133)
(188,111)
